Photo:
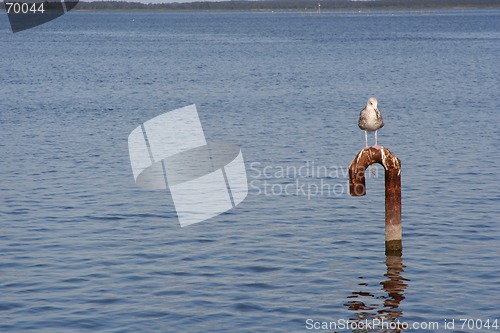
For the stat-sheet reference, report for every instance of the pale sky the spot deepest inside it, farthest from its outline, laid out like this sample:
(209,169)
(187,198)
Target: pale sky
(179,1)
(163,1)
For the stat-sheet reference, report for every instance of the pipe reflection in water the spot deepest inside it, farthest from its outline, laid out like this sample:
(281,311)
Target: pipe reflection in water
(367,306)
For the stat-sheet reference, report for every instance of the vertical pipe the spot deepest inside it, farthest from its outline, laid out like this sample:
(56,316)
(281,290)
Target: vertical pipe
(357,187)
(393,227)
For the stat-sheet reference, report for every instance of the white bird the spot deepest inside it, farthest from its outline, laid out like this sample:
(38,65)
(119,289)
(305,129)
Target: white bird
(370,119)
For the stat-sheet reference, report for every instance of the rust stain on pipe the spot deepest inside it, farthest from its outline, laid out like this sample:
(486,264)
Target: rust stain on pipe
(357,187)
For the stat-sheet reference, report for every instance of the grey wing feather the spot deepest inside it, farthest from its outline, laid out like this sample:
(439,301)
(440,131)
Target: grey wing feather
(380,119)
(362,120)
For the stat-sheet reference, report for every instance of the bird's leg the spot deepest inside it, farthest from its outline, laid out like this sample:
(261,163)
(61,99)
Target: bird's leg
(376,142)
(366,138)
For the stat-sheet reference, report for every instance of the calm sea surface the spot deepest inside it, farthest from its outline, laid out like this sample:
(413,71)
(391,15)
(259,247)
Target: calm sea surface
(82,248)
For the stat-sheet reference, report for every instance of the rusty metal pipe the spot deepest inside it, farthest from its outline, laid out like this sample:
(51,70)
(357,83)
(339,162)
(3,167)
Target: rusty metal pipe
(357,187)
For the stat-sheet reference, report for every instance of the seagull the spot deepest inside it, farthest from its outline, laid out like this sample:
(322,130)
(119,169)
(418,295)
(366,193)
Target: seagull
(370,119)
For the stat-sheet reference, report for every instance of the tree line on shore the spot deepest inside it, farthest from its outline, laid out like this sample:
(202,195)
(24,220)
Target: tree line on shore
(292,5)
(295,5)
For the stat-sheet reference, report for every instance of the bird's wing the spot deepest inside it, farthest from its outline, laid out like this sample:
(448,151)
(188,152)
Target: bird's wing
(361,119)
(379,118)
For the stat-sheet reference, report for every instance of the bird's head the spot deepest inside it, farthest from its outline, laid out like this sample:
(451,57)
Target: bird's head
(372,102)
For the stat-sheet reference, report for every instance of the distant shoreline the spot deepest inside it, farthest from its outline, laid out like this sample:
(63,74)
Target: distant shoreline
(286,5)
(309,10)
(290,5)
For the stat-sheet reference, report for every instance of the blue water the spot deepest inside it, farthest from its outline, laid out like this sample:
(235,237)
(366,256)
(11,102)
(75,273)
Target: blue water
(82,248)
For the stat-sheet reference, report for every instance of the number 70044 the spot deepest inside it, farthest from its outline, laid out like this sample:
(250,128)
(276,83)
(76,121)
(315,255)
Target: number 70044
(24,8)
